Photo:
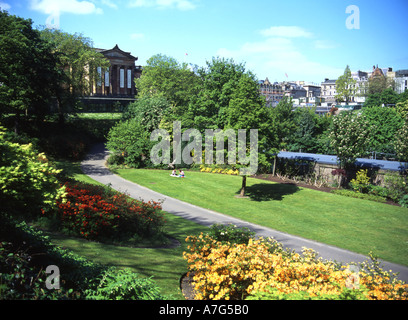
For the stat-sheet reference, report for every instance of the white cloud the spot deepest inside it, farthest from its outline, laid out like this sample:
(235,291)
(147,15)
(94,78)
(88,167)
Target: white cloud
(281,53)
(110,4)
(324,44)
(54,8)
(4,6)
(286,32)
(137,36)
(183,5)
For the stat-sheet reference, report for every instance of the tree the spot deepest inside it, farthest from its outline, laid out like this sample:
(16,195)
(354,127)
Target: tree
(401,143)
(148,110)
(386,97)
(218,81)
(26,68)
(77,66)
(282,121)
(384,123)
(246,111)
(164,76)
(346,86)
(349,136)
(130,143)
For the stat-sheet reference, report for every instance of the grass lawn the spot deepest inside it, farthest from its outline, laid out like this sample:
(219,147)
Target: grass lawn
(354,224)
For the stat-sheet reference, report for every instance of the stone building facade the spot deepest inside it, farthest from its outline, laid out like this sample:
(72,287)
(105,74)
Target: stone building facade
(118,81)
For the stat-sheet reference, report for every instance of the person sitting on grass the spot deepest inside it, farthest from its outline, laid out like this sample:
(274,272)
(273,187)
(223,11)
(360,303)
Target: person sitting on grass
(174,173)
(181,175)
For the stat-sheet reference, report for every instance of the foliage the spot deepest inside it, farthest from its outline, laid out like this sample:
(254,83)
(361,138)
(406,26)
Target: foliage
(283,122)
(27,67)
(24,254)
(230,233)
(218,82)
(359,195)
(76,66)
(131,144)
(95,212)
(148,110)
(345,86)
(261,269)
(349,136)
(361,183)
(401,143)
(404,201)
(28,180)
(385,123)
(117,284)
(397,185)
(381,97)
(164,76)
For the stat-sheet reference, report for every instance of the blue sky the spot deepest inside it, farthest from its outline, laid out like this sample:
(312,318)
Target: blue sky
(305,40)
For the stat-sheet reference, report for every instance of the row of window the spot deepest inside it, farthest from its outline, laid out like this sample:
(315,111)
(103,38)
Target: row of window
(121,78)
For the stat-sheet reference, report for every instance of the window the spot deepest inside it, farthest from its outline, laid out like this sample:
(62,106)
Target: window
(122,78)
(99,82)
(129,79)
(107,83)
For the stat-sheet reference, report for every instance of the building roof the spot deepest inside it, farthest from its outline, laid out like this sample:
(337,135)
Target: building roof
(118,50)
(330,159)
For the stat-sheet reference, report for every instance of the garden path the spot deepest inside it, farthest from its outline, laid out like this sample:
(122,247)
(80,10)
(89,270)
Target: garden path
(94,167)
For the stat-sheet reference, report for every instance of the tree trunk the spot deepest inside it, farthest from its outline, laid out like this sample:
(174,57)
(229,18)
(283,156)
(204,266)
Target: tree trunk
(61,119)
(17,122)
(242,194)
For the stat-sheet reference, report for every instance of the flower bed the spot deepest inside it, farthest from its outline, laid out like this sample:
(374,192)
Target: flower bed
(260,269)
(96,213)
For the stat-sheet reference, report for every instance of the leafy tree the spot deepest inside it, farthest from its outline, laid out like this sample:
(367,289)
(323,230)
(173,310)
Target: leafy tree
(26,68)
(130,143)
(304,137)
(345,86)
(385,97)
(77,66)
(282,120)
(350,137)
(384,122)
(401,143)
(246,111)
(164,76)
(148,110)
(219,80)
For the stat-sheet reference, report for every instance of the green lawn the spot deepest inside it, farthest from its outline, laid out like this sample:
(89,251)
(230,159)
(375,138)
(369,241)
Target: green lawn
(354,224)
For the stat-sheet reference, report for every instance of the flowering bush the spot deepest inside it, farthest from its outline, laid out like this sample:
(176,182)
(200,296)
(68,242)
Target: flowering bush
(95,212)
(261,268)
(228,171)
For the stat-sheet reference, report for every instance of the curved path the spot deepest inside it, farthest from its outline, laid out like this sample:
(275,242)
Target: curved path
(94,166)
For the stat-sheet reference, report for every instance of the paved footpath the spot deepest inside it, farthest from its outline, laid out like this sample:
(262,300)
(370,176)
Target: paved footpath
(94,166)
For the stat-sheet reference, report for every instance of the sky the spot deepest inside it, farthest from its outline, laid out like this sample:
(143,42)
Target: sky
(281,40)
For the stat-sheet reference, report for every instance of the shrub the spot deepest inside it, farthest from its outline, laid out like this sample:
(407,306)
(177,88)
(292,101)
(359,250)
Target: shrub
(98,213)
(262,270)
(28,181)
(117,284)
(361,183)
(397,185)
(25,253)
(230,233)
(358,195)
(130,140)
(404,201)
